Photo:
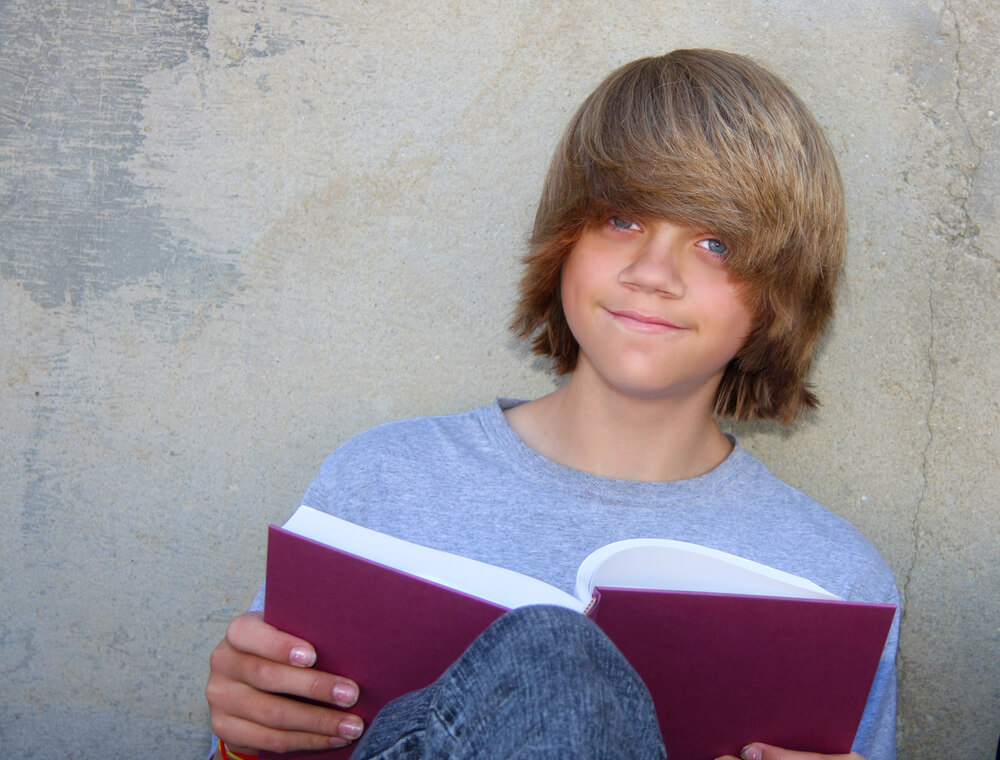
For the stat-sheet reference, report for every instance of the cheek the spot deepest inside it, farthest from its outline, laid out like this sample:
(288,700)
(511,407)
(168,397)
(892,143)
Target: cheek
(577,280)
(735,315)
(566,287)
(742,318)
(576,270)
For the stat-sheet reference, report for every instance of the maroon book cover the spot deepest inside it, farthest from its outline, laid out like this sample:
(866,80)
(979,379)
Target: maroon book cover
(723,669)
(727,669)
(389,631)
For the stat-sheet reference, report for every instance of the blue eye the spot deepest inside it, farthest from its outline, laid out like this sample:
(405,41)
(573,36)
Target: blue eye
(623,224)
(714,246)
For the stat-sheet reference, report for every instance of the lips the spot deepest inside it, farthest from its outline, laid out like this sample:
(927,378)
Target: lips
(642,322)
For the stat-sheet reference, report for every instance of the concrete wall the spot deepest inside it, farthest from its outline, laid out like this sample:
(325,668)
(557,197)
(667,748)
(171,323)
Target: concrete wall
(232,234)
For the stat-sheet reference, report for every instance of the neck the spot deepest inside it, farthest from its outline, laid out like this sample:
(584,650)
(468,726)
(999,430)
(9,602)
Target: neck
(615,435)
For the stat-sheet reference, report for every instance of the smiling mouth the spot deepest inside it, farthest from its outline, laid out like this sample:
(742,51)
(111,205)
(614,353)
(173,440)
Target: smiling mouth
(637,321)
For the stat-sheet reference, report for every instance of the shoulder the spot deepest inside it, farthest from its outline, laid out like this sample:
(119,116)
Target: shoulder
(414,454)
(802,536)
(414,439)
(772,522)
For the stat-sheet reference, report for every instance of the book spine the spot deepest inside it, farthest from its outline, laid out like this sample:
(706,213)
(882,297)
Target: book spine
(595,601)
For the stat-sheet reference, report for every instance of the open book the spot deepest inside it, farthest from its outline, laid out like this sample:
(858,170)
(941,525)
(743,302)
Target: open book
(732,651)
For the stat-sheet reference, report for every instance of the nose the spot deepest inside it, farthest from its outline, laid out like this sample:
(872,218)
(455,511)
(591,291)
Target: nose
(655,267)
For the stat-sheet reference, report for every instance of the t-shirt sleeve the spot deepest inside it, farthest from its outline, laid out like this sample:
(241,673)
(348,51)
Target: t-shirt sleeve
(876,737)
(340,484)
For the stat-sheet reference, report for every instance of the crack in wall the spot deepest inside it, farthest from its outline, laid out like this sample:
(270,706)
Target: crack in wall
(964,229)
(947,94)
(916,524)
(953,224)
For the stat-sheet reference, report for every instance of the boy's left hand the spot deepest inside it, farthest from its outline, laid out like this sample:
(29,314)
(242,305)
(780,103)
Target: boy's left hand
(758,751)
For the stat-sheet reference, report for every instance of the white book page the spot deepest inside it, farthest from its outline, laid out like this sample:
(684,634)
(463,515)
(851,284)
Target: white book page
(495,584)
(654,563)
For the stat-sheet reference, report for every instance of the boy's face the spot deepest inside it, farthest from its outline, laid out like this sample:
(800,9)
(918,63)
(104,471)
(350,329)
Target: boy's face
(653,308)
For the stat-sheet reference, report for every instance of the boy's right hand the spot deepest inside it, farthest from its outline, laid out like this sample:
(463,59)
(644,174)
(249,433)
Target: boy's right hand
(251,668)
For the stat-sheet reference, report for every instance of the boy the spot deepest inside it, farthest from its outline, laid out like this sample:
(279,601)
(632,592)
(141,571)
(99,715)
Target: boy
(682,267)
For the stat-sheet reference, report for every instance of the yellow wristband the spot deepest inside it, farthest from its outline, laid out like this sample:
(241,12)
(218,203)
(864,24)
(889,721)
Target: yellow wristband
(228,754)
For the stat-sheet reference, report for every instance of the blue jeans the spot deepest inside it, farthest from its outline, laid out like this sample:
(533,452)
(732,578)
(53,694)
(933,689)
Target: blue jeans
(541,682)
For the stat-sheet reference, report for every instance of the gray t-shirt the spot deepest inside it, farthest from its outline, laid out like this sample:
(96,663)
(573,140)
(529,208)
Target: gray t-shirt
(467,484)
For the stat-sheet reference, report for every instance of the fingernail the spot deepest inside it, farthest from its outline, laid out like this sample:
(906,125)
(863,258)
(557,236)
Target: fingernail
(302,657)
(345,695)
(751,753)
(351,728)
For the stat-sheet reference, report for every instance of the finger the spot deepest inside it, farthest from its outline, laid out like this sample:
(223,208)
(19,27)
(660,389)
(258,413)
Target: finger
(760,751)
(249,633)
(230,669)
(234,705)
(286,714)
(310,683)
(255,652)
(247,736)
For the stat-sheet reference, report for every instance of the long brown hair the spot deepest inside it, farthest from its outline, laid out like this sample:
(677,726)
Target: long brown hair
(711,140)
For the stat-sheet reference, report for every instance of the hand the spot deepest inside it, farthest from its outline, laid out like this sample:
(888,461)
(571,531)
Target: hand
(758,751)
(251,668)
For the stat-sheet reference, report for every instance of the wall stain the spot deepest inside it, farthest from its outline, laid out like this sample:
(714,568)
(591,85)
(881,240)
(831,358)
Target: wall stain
(71,91)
